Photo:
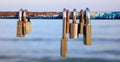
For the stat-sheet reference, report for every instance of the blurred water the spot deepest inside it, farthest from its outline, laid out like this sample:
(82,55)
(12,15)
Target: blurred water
(43,44)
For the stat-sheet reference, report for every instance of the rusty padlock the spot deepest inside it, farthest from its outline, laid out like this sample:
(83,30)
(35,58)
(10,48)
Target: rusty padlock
(67,21)
(81,22)
(27,24)
(20,29)
(74,27)
(64,38)
(87,28)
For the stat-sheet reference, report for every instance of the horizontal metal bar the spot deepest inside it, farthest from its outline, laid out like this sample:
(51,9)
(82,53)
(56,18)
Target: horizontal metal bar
(58,15)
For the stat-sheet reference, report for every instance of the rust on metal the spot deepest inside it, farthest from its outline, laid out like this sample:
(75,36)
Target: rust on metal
(3,13)
(58,15)
(42,13)
(31,14)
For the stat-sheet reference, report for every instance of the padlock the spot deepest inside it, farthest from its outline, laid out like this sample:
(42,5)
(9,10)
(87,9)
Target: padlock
(67,21)
(74,26)
(87,28)
(64,38)
(27,24)
(20,32)
(81,22)
(30,28)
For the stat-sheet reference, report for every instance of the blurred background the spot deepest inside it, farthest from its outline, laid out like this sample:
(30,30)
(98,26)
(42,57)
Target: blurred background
(43,44)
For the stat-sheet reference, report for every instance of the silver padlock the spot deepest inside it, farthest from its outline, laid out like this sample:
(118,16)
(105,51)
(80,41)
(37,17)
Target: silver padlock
(87,28)
(74,27)
(81,22)
(64,38)
(20,32)
(27,25)
(67,21)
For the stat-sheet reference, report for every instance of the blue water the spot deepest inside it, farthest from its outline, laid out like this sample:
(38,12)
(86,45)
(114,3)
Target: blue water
(43,44)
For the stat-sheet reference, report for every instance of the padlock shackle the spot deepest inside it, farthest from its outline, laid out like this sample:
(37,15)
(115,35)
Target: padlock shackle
(24,15)
(20,14)
(64,13)
(64,23)
(68,16)
(67,21)
(74,16)
(87,16)
(81,16)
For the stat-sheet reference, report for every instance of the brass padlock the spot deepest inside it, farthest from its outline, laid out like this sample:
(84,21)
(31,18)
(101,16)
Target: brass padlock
(81,22)
(30,28)
(67,21)
(20,32)
(74,27)
(64,38)
(87,28)
(27,24)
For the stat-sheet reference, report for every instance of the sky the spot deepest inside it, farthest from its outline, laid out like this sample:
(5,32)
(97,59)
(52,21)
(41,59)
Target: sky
(58,5)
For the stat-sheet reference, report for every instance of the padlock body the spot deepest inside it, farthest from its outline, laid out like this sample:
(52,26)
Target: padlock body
(64,47)
(28,28)
(74,31)
(87,34)
(20,29)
